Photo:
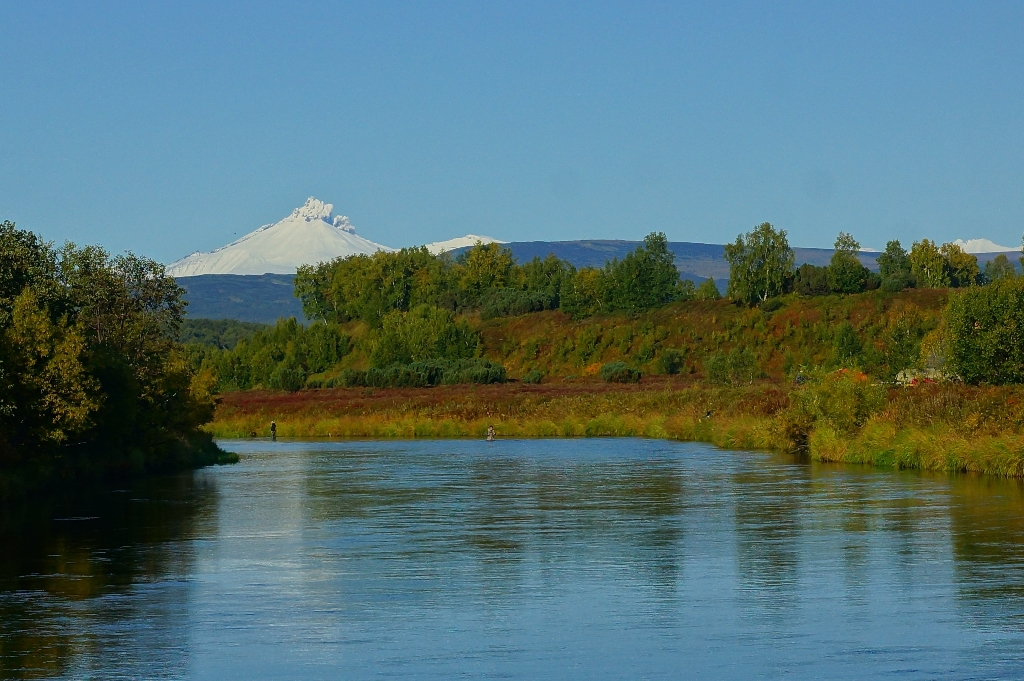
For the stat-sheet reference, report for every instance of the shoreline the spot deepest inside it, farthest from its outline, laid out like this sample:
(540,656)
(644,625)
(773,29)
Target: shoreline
(945,436)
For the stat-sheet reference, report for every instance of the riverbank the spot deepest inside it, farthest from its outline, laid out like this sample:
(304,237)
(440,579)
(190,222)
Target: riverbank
(81,467)
(932,427)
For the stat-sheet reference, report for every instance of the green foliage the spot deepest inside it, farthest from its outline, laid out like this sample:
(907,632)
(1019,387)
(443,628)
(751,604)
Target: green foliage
(484,267)
(685,290)
(582,294)
(508,302)
(985,333)
(999,268)
(280,357)
(901,339)
(897,282)
(707,290)
(367,287)
(736,367)
(670,361)
(423,374)
(619,372)
(846,274)
(759,264)
(962,267)
(846,346)
(644,279)
(217,333)
(533,377)
(811,280)
(422,334)
(928,265)
(91,379)
(894,262)
(842,400)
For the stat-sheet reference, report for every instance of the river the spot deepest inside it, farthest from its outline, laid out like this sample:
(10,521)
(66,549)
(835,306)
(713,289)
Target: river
(560,559)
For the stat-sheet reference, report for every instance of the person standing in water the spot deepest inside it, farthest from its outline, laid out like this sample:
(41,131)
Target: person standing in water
(490,433)
(273,430)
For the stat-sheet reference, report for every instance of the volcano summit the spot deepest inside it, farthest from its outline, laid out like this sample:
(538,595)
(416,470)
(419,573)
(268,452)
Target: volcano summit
(308,236)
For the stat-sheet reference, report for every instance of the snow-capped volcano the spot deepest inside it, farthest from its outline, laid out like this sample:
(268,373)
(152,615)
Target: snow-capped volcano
(984,246)
(438,247)
(308,236)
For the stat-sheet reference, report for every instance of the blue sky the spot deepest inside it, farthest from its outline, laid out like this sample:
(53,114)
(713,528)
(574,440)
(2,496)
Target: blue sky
(166,128)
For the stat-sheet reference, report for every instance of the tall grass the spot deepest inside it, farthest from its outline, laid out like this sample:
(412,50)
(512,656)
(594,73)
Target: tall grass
(941,427)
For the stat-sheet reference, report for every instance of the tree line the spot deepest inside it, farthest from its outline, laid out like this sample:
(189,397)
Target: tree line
(486,278)
(761,266)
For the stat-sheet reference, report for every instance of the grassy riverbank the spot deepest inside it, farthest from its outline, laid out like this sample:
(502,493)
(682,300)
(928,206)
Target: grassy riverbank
(931,427)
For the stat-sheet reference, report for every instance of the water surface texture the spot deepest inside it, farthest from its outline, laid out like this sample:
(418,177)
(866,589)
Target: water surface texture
(582,559)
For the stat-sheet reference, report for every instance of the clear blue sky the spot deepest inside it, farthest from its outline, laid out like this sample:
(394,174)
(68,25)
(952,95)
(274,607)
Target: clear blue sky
(172,127)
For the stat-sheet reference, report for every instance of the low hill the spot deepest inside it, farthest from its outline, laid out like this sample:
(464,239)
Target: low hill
(262,298)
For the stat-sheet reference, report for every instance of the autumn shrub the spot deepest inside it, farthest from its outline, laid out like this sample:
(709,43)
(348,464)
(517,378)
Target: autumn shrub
(619,372)
(670,361)
(735,367)
(841,401)
(533,377)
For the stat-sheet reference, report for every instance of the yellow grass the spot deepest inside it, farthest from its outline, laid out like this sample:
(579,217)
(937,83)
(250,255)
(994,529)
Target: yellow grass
(752,417)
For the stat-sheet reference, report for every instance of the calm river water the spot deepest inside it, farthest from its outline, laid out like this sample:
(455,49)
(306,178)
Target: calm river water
(581,559)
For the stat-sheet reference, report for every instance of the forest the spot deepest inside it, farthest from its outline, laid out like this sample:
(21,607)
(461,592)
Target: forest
(92,380)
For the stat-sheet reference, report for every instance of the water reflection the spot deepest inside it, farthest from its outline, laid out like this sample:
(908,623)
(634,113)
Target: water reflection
(71,564)
(565,559)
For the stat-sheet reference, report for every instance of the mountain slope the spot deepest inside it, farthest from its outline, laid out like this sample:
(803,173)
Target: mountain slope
(308,236)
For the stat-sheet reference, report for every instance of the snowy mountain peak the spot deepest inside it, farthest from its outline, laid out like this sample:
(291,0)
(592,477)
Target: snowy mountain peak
(308,236)
(984,246)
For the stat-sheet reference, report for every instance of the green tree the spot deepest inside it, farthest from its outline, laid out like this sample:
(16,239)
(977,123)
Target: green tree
(928,265)
(962,267)
(582,293)
(846,274)
(759,263)
(421,334)
(93,381)
(846,346)
(707,290)
(999,268)
(811,280)
(894,261)
(483,267)
(985,333)
(644,279)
